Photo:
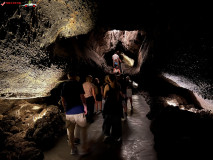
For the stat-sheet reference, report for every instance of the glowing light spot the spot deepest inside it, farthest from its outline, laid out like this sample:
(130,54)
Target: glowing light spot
(36,107)
(127,60)
(35,118)
(172,102)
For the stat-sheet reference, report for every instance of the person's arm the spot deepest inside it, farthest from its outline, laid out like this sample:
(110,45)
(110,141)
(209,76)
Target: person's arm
(106,89)
(122,95)
(102,91)
(63,103)
(119,60)
(93,92)
(83,99)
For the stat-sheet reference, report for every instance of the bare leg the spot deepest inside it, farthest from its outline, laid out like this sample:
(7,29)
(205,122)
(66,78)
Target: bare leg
(96,106)
(77,131)
(100,102)
(71,128)
(125,109)
(130,98)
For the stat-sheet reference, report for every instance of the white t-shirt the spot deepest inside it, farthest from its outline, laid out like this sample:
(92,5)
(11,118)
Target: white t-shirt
(115,56)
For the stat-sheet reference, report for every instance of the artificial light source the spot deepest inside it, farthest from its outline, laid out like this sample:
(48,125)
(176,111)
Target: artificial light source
(127,60)
(172,102)
(35,118)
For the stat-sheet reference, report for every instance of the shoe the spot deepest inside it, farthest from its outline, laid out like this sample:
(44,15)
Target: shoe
(76,141)
(74,151)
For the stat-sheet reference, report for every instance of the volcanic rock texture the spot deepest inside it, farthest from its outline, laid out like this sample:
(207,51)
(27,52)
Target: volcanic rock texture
(27,128)
(27,70)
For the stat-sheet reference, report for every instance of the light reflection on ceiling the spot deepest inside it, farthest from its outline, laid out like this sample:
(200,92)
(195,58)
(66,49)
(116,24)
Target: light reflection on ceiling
(30,84)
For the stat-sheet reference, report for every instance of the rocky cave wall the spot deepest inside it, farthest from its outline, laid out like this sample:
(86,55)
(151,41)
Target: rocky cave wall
(173,37)
(26,69)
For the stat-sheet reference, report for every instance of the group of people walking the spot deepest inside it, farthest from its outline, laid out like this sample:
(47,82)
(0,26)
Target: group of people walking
(82,100)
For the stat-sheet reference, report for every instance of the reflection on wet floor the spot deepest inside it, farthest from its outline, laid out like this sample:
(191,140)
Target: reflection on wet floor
(137,139)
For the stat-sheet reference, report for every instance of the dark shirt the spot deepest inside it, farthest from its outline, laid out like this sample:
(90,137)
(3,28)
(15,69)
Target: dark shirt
(129,84)
(71,91)
(113,103)
(123,85)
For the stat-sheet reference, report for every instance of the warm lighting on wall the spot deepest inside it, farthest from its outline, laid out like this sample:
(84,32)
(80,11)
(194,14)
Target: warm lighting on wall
(35,118)
(127,60)
(36,107)
(172,102)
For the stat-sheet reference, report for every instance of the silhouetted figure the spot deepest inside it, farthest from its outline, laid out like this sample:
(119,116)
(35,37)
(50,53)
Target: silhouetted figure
(116,70)
(112,111)
(116,59)
(99,93)
(129,92)
(89,89)
(123,85)
(74,103)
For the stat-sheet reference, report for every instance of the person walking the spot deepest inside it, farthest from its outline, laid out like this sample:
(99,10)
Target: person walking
(116,70)
(89,89)
(116,59)
(122,82)
(112,111)
(129,92)
(99,93)
(74,103)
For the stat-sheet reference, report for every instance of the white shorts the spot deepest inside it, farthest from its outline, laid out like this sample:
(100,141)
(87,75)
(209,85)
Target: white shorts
(79,119)
(128,93)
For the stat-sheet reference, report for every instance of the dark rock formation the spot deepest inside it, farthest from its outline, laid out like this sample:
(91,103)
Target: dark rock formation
(47,129)
(180,134)
(180,126)
(27,129)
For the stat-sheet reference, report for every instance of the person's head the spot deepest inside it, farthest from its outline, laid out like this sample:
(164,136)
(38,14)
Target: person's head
(106,79)
(112,78)
(78,78)
(71,75)
(118,77)
(127,78)
(89,78)
(97,80)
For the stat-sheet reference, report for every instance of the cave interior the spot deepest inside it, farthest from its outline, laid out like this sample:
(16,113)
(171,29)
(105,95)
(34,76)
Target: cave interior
(164,46)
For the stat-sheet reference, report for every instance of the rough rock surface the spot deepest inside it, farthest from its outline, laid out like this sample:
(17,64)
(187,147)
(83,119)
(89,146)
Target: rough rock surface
(28,128)
(24,65)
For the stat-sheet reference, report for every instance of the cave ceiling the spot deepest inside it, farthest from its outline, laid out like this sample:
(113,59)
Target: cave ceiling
(38,43)
(32,37)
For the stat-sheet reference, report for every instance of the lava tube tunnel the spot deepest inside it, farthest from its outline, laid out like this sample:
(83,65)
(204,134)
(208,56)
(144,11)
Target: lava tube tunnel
(163,47)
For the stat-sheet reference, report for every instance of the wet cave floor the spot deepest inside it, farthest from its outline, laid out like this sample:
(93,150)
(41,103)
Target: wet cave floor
(168,122)
(137,143)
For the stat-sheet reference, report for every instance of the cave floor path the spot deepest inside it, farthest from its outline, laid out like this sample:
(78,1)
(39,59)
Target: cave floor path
(138,143)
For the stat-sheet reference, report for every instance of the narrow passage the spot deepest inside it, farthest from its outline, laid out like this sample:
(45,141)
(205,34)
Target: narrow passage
(137,139)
